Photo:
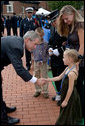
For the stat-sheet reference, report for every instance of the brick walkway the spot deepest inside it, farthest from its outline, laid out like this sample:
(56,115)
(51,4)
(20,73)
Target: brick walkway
(30,110)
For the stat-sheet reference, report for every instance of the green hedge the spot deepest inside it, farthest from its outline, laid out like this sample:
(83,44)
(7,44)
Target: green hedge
(59,4)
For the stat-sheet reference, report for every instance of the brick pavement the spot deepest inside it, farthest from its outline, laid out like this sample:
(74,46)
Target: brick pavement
(30,110)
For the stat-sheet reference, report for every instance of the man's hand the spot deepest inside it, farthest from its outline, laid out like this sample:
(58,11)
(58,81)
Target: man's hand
(41,81)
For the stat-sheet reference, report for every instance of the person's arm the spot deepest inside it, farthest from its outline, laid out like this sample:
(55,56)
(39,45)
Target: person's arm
(81,41)
(81,48)
(15,58)
(56,78)
(71,77)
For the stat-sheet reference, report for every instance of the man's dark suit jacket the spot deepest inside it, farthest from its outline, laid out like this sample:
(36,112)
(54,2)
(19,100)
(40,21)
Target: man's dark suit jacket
(12,50)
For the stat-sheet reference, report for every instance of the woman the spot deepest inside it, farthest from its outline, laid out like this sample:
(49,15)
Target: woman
(71,25)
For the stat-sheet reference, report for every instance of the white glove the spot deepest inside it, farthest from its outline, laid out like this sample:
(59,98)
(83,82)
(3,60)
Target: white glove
(56,52)
(50,51)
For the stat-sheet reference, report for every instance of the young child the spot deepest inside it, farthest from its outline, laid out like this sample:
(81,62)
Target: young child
(40,64)
(70,109)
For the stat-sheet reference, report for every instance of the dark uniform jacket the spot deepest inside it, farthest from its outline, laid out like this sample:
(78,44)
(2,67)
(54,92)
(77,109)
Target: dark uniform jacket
(14,22)
(12,50)
(27,25)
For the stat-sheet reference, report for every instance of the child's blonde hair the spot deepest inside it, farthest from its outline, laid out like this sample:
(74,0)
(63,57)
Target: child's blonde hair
(63,28)
(73,54)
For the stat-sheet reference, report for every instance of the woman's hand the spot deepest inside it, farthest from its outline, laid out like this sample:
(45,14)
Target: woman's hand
(64,104)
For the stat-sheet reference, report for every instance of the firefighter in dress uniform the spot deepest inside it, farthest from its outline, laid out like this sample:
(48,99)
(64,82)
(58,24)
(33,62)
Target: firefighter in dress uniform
(56,49)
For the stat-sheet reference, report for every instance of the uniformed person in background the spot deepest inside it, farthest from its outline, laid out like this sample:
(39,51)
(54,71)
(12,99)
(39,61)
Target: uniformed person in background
(8,25)
(56,50)
(27,24)
(14,23)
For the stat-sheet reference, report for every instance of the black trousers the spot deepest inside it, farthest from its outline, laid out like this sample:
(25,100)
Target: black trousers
(80,87)
(28,59)
(14,31)
(3,104)
(8,31)
(56,71)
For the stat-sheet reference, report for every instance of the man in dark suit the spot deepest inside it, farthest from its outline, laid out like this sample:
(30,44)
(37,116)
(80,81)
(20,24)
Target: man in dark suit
(12,49)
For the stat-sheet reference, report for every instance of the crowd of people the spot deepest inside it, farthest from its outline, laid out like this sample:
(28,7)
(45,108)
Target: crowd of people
(14,21)
(9,22)
(65,47)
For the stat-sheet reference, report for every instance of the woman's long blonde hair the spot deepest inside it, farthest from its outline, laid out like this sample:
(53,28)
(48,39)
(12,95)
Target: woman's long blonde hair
(63,28)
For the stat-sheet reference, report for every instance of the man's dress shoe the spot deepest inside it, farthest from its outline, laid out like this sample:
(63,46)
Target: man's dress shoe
(11,109)
(10,121)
